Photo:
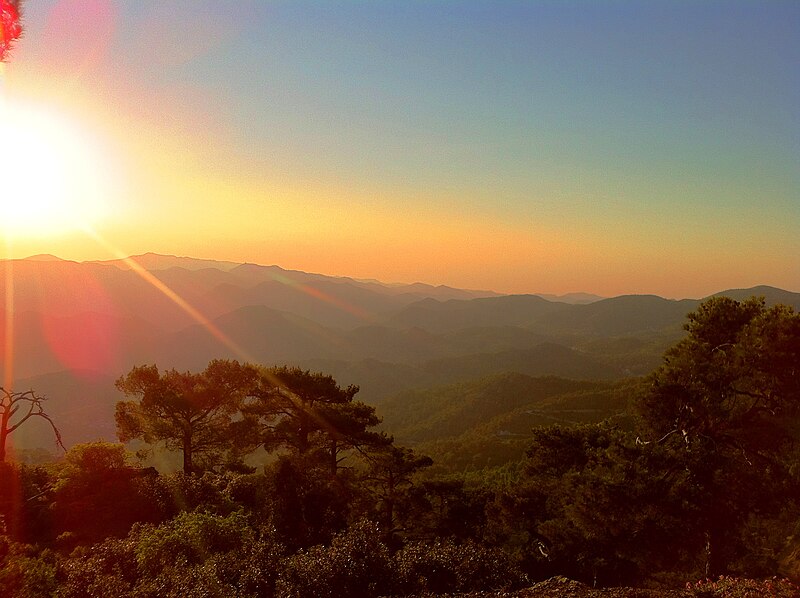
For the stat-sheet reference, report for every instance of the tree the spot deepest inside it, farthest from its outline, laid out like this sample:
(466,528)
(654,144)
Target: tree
(726,403)
(18,407)
(311,415)
(192,555)
(453,509)
(189,412)
(389,478)
(306,503)
(98,494)
(596,507)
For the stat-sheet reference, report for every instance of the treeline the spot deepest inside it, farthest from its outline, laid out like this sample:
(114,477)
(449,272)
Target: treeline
(702,481)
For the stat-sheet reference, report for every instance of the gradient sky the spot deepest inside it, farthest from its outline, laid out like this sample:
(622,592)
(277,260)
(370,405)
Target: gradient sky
(611,146)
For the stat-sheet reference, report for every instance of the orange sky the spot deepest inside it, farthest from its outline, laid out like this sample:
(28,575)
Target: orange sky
(163,100)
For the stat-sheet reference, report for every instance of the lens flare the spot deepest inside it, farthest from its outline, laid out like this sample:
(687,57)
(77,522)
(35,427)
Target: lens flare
(10,28)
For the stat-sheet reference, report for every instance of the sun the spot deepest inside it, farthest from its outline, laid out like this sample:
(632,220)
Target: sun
(53,180)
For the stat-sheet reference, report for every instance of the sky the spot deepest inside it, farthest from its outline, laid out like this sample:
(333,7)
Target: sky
(610,147)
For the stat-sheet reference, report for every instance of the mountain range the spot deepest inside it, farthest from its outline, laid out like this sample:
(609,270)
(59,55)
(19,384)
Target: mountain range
(79,326)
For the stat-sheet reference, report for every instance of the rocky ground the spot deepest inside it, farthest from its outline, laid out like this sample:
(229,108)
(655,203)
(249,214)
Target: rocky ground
(567,588)
(561,587)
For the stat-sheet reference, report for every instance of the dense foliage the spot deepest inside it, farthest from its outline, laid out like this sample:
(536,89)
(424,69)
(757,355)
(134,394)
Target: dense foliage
(699,482)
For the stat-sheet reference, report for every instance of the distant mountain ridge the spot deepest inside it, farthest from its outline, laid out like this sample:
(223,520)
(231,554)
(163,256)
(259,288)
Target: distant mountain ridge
(157,262)
(579,298)
(100,319)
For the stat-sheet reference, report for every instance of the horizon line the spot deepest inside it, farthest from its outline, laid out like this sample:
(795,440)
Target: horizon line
(49,257)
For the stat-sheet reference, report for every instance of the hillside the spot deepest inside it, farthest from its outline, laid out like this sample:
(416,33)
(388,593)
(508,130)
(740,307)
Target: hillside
(487,423)
(96,320)
(448,411)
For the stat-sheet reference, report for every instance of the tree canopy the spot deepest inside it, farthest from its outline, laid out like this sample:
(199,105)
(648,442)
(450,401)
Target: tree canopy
(726,402)
(310,414)
(189,412)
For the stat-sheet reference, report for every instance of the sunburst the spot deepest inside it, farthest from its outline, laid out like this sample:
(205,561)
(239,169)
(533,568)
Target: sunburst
(53,179)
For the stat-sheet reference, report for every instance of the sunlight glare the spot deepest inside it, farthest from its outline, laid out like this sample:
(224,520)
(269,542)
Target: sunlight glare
(53,180)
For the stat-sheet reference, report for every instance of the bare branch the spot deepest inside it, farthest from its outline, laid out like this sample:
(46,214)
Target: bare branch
(10,405)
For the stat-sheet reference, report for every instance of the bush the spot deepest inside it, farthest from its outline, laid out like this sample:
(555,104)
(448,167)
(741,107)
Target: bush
(180,492)
(104,569)
(24,572)
(356,564)
(196,554)
(450,567)
(190,538)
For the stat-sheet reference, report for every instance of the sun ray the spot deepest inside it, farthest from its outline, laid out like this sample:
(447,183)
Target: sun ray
(8,354)
(160,286)
(321,295)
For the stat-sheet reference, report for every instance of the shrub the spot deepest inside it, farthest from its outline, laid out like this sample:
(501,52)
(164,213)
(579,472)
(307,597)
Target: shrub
(190,538)
(196,554)
(104,569)
(356,564)
(24,572)
(450,567)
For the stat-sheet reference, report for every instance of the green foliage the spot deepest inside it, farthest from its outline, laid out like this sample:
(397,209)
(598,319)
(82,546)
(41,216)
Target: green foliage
(634,355)
(709,482)
(341,511)
(179,492)
(26,572)
(91,463)
(446,411)
(310,415)
(182,580)
(25,513)
(96,494)
(725,404)
(453,510)
(106,568)
(494,417)
(446,567)
(591,506)
(356,563)
(705,484)
(389,479)
(195,554)
(189,538)
(307,504)
(766,542)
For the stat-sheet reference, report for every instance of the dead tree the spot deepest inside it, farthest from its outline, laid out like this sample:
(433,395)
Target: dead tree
(18,407)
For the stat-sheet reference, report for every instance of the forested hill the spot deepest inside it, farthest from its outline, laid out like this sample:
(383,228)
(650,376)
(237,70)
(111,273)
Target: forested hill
(79,326)
(423,415)
(488,423)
